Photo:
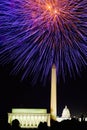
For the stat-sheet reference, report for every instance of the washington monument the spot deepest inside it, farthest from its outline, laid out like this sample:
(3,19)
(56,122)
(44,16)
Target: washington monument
(53,107)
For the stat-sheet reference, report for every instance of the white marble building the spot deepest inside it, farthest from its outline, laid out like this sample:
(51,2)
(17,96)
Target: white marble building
(29,118)
(65,115)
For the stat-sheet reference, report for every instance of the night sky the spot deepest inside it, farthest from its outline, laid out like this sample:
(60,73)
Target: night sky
(15,93)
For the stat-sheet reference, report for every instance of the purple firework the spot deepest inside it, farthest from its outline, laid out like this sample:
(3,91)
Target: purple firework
(35,34)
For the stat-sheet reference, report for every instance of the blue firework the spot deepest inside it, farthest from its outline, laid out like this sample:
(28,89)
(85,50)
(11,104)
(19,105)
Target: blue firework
(35,34)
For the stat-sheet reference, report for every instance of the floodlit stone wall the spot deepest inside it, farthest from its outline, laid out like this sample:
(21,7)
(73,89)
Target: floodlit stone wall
(29,120)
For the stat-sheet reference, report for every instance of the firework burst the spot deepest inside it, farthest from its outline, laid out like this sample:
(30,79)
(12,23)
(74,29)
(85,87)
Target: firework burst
(35,34)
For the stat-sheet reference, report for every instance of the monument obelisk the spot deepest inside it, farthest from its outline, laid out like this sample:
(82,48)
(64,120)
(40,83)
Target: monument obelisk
(53,109)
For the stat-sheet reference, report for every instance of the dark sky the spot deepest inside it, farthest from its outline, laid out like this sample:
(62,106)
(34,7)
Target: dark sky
(17,94)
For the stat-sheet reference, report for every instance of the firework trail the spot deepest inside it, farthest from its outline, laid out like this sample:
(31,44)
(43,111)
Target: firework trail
(34,34)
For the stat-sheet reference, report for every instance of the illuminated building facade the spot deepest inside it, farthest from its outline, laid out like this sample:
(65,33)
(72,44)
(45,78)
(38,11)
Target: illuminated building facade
(65,115)
(29,118)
